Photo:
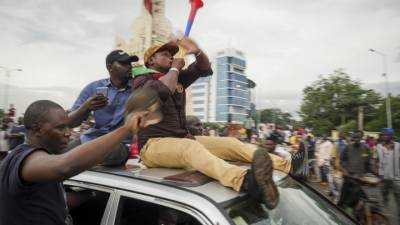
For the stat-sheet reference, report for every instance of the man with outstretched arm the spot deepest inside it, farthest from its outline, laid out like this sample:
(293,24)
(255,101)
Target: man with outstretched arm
(31,176)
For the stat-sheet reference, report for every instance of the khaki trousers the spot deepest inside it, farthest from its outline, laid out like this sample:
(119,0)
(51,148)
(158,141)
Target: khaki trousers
(206,155)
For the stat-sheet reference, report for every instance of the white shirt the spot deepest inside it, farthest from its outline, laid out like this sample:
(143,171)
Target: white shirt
(324,153)
(282,152)
(3,142)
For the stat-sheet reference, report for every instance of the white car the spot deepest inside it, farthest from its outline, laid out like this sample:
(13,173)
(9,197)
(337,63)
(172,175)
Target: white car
(135,195)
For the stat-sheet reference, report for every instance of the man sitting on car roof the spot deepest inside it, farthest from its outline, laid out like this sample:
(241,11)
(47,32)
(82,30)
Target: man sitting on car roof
(168,143)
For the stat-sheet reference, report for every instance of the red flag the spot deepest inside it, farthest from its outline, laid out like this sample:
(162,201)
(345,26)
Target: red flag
(148,4)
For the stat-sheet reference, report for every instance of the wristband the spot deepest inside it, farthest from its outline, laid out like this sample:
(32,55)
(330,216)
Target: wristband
(198,53)
(174,69)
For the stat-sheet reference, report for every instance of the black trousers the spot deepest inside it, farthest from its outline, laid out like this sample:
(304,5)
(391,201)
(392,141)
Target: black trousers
(249,133)
(324,170)
(351,193)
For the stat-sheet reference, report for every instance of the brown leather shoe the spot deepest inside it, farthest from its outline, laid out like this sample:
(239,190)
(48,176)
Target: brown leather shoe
(258,181)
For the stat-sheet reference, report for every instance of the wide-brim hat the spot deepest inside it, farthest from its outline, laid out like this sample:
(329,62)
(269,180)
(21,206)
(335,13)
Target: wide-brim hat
(172,47)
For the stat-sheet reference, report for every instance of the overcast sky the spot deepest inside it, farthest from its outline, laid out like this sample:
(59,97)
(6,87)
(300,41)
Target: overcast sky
(61,45)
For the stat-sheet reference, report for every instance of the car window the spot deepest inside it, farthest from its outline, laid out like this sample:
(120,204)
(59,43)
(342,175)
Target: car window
(134,211)
(298,205)
(86,206)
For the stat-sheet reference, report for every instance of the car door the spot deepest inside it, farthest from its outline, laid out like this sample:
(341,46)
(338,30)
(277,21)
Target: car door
(91,203)
(135,208)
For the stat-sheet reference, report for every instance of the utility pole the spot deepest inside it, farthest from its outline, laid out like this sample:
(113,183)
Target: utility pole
(385,75)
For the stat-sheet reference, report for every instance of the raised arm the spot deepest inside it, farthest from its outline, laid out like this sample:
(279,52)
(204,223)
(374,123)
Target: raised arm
(86,102)
(171,78)
(191,47)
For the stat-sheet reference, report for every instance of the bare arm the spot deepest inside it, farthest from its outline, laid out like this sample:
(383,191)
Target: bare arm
(76,117)
(200,68)
(92,103)
(191,47)
(170,80)
(41,167)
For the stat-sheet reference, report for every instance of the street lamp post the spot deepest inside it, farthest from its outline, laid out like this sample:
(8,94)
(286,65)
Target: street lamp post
(8,74)
(361,112)
(384,74)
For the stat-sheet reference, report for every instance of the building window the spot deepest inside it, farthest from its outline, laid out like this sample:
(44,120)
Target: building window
(237,77)
(239,93)
(203,79)
(237,69)
(239,118)
(198,102)
(237,85)
(198,109)
(198,94)
(222,108)
(237,61)
(223,60)
(196,87)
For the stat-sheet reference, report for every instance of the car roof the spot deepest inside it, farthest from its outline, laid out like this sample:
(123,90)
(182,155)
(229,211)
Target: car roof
(184,179)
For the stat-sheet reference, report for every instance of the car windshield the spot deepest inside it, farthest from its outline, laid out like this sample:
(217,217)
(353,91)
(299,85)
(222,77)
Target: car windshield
(298,206)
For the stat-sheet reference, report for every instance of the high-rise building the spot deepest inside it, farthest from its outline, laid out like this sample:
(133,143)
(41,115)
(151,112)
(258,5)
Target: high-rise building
(202,98)
(225,96)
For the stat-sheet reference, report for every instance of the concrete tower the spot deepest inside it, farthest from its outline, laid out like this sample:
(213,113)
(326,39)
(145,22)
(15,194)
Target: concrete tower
(147,29)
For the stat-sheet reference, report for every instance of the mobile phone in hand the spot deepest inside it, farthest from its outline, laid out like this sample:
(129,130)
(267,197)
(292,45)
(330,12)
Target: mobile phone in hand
(102,91)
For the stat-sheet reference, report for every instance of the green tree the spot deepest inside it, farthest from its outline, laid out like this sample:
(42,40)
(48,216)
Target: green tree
(276,116)
(335,100)
(348,127)
(379,116)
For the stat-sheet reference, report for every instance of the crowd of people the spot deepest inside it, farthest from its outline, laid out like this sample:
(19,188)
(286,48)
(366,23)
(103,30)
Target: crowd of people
(12,131)
(349,168)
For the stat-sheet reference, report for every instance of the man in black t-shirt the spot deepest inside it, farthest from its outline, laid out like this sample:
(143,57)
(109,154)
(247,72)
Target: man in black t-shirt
(17,134)
(31,191)
(355,162)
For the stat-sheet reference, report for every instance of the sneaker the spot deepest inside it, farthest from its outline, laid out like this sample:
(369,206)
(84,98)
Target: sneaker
(258,181)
